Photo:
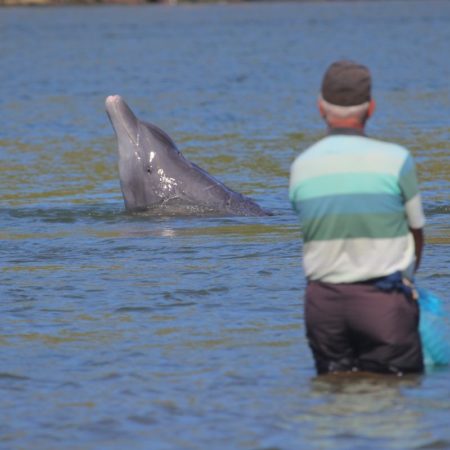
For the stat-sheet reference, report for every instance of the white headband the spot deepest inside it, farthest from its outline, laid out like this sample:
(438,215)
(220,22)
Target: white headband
(344,111)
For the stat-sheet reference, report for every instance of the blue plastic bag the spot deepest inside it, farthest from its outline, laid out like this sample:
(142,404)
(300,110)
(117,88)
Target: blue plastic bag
(434,329)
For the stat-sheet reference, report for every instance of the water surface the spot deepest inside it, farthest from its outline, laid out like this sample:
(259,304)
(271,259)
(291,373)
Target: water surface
(121,331)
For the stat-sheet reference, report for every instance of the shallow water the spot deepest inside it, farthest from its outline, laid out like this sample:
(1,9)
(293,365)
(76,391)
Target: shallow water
(130,331)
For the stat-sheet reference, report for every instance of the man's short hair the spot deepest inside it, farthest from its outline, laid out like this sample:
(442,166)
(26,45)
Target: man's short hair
(346,84)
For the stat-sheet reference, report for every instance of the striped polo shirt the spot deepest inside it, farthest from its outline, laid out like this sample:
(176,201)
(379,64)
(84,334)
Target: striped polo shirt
(356,198)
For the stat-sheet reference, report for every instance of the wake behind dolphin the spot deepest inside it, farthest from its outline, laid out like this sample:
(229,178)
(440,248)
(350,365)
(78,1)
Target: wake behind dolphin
(155,176)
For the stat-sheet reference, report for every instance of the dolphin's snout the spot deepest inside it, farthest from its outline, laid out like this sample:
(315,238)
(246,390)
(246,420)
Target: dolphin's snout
(122,118)
(112,99)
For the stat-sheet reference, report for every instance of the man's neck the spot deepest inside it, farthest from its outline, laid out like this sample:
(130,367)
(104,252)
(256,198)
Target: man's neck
(350,122)
(346,126)
(347,131)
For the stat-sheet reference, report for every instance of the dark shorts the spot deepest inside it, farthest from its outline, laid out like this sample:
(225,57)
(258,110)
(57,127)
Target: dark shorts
(358,327)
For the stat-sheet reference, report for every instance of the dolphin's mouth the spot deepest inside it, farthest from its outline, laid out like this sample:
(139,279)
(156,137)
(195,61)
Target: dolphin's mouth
(122,118)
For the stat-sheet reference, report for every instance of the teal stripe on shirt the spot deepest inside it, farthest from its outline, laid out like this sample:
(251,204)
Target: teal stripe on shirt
(348,204)
(345,183)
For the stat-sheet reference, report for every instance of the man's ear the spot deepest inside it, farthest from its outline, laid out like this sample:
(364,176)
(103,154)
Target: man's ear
(372,106)
(320,107)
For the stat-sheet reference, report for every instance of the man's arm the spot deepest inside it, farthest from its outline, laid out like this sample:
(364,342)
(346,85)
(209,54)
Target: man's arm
(418,244)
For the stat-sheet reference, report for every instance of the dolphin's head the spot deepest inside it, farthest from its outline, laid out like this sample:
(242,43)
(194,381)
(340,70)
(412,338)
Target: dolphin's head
(144,154)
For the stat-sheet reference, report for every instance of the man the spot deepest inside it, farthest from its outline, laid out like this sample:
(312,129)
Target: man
(362,220)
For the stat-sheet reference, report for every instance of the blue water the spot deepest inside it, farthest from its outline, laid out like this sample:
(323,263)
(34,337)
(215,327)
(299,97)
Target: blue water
(121,331)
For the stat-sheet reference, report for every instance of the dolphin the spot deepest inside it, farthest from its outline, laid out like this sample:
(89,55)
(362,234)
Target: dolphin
(156,177)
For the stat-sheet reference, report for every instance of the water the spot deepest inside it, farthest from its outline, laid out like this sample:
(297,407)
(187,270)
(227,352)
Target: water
(122,331)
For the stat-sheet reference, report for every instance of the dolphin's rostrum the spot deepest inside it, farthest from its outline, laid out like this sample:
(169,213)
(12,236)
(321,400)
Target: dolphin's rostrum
(155,176)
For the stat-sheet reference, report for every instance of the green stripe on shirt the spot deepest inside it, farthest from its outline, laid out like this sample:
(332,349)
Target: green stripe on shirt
(351,226)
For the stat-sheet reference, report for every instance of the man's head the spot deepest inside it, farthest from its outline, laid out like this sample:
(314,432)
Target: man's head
(345,99)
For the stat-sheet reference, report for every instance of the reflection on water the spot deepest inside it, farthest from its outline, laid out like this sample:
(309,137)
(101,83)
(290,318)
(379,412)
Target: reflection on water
(374,411)
(134,331)
(368,407)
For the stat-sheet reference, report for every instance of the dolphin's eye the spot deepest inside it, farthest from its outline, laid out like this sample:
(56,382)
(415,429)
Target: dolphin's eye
(149,169)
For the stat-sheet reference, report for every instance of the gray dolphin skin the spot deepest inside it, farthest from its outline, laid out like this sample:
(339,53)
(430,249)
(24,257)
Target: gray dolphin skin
(156,177)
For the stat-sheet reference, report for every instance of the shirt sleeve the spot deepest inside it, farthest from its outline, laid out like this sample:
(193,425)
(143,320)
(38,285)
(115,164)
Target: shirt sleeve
(293,184)
(411,195)
(414,212)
